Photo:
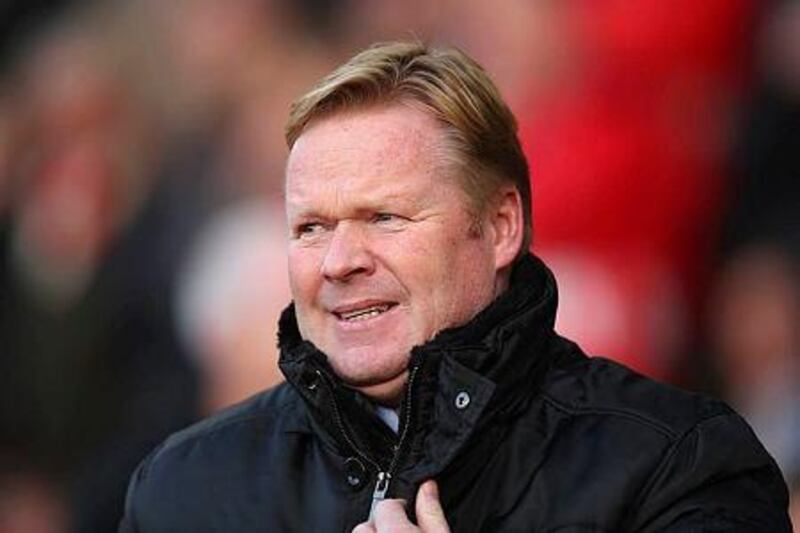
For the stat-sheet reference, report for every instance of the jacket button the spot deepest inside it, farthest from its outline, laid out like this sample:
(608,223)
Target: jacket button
(355,472)
(462,400)
(310,380)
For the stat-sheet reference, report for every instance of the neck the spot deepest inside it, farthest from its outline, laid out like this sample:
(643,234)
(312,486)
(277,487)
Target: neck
(388,393)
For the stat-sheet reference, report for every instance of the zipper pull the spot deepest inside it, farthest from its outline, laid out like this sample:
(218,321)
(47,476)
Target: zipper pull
(379,494)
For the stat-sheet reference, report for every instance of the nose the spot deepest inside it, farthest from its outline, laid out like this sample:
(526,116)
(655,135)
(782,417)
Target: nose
(348,254)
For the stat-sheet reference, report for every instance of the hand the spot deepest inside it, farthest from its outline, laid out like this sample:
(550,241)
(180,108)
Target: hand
(390,515)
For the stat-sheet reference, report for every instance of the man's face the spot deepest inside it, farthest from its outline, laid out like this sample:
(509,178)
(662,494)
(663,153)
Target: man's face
(381,256)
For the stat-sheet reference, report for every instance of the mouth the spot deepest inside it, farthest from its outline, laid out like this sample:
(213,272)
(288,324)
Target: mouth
(363,312)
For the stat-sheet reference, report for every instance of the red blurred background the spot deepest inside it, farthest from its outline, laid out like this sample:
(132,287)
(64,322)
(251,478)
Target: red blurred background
(141,227)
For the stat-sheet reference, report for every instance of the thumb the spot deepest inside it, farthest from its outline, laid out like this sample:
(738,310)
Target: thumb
(430,515)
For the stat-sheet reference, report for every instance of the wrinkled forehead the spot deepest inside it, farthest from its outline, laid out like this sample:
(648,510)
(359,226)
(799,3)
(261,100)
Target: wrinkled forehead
(386,144)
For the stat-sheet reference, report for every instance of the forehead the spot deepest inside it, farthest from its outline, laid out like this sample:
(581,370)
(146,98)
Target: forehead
(374,147)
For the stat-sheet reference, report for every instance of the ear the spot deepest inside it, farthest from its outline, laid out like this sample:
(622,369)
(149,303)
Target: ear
(506,222)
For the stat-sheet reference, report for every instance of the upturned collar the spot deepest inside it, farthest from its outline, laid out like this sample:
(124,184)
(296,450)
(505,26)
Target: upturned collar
(493,364)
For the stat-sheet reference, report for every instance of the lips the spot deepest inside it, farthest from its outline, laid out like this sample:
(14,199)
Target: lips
(363,311)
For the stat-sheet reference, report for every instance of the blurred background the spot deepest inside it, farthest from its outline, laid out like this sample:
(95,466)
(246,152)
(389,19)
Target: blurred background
(141,224)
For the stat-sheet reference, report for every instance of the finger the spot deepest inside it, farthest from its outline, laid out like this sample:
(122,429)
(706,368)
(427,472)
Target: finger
(430,515)
(391,514)
(364,527)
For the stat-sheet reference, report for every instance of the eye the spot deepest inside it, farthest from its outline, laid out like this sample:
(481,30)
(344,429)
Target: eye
(308,229)
(385,217)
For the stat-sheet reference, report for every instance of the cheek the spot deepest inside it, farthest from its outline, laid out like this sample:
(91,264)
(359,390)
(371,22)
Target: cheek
(437,277)
(468,283)
(304,274)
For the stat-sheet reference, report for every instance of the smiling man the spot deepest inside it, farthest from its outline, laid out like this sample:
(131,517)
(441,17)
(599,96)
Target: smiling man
(385,251)
(426,388)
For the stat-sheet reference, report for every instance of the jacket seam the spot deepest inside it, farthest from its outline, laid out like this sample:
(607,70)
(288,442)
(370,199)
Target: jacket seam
(669,454)
(574,410)
(168,446)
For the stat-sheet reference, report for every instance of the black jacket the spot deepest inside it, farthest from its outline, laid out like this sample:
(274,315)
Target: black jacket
(522,431)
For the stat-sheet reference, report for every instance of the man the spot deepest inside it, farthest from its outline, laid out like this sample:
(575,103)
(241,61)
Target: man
(425,382)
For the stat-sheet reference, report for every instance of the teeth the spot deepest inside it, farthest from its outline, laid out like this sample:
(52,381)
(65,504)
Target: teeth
(364,314)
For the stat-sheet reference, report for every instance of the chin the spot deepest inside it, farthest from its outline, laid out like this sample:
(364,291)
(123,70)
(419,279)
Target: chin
(388,393)
(381,377)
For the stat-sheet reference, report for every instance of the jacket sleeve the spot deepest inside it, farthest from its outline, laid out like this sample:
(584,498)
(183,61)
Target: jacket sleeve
(716,477)
(129,522)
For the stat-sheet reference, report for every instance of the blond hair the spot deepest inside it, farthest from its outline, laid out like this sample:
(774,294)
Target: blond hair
(448,85)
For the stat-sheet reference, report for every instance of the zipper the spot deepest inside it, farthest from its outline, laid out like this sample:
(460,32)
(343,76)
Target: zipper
(382,484)
(384,475)
(340,424)
(379,494)
(406,418)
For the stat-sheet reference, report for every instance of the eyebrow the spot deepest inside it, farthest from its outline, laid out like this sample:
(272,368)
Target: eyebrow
(387,202)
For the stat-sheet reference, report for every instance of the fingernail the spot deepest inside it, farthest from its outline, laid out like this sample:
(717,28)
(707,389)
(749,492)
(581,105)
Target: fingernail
(431,489)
